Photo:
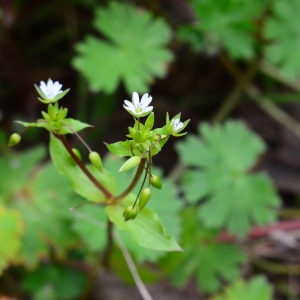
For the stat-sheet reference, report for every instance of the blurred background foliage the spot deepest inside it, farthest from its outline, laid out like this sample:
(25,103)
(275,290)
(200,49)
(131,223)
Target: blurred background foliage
(211,60)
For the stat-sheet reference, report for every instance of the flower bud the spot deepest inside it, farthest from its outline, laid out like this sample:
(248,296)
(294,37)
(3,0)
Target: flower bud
(130,213)
(138,136)
(62,113)
(155,181)
(14,139)
(52,111)
(144,197)
(130,163)
(95,159)
(46,116)
(77,153)
(150,121)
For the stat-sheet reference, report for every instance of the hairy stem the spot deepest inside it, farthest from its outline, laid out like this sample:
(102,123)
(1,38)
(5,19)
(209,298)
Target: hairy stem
(82,166)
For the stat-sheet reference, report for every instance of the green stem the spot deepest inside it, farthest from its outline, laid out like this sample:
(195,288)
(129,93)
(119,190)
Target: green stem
(109,246)
(82,166)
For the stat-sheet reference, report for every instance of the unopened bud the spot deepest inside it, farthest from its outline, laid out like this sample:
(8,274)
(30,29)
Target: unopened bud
(130,213)
(14,139)
(62,113)
(155,181)
(77,153)
(138,136)
(150,121)
(96,160)
(144,197)
(130,163)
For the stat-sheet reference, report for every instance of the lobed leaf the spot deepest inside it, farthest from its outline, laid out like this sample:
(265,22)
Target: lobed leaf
(234,198)
(133,51)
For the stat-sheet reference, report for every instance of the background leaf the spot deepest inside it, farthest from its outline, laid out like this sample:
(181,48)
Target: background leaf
(134,52)
(225,156)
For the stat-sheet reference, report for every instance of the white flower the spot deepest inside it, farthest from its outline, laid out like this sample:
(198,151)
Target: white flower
(139,108)
(50,90)
(176,125)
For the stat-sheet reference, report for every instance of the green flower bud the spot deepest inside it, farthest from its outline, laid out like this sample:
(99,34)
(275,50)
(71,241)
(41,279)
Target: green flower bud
(14,139)
(144,197)
(130,163)
(52,111)
(130,213)
(146,145)
(138,136)
(62,113)
(155,181)
(150,121)
(95,159)
(77,153)
(46,116)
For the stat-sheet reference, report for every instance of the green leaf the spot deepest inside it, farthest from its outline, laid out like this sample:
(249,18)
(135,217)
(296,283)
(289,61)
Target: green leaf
(282,30)
(146,229)
(90,224)
(18,166)
(164,202)
(80,182)
(209,261)
(257,288)
(120,148)
(71,125)
(55,282)
(11,230)
(234,198)
(133,51)
(226,23)
(47,218)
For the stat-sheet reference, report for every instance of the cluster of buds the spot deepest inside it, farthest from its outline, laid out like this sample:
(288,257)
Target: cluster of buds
(145,143)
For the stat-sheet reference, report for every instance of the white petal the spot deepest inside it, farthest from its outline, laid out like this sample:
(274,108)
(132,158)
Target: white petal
(135,98)
(129,105)
(50,84)
(147,109)
(146,100)
(43,87)
(127,108)
(56,88)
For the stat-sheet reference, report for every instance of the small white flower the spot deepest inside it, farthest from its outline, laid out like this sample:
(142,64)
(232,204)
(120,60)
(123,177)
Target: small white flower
(176,125)
(139,108)
(50,90)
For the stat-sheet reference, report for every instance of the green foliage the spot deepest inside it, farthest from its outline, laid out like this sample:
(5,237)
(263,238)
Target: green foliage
(11,230)
(80,182)
(234,197)
(209,261)
(134,52)
(164,202)
(257,288)
(146,229)
(228,24)
(51,282)
(68,125)
(282,31)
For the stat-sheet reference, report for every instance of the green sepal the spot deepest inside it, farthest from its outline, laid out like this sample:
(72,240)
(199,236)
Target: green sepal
(95,159)
(138,136)
(14,140)
(144,197)
(62,113)
(131,163)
